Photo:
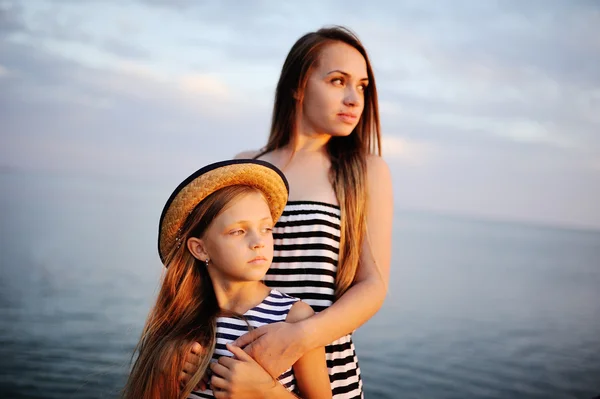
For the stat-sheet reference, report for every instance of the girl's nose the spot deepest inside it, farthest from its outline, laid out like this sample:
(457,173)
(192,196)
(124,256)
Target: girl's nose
(257,241)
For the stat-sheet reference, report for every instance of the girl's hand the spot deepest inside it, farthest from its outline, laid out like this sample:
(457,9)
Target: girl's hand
(275,347)
(240,377)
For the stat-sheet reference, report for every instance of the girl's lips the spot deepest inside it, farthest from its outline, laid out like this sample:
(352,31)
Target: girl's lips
(258,259)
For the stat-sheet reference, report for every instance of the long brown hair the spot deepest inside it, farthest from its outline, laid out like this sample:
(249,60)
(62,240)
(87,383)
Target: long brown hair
(186,311)
(348,155)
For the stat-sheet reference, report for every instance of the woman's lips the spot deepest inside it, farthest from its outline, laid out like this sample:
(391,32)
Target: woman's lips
(347,117)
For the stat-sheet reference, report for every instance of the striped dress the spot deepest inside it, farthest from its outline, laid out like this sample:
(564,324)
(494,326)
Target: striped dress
(307,240)
(275,307)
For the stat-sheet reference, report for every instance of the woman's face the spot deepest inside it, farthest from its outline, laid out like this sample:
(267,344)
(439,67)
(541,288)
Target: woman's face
(335,92)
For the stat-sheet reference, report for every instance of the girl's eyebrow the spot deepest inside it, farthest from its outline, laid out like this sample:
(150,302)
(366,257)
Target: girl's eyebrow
(346,74)
(248,221)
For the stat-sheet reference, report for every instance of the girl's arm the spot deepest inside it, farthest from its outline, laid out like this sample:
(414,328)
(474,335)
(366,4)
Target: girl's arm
(310,370)
(277,346)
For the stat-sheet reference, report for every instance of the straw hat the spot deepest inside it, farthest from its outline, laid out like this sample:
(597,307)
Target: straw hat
(260,174)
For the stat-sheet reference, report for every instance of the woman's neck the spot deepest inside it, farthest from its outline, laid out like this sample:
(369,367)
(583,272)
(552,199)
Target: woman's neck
(309,143)
(306,138)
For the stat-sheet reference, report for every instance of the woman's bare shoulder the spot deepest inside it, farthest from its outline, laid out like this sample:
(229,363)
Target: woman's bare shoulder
(377,167)
(247,154)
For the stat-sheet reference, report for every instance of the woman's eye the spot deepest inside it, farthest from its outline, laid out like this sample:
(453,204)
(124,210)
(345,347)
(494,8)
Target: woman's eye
(236,232)
(338,81)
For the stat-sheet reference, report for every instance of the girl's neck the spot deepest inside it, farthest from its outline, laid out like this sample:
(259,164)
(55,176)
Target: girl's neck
(239,297)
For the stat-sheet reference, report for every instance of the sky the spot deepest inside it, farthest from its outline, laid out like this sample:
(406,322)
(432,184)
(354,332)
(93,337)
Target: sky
(488,108)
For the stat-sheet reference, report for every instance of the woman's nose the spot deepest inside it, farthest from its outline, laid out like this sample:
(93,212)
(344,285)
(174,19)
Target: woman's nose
(352,97)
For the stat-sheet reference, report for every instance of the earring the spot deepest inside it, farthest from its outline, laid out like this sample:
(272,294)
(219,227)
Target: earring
(206,262)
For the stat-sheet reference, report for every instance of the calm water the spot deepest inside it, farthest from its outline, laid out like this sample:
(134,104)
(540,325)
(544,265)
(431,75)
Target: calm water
(475,309)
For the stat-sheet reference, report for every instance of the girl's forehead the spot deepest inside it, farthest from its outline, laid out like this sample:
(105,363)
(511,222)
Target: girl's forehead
(250,207)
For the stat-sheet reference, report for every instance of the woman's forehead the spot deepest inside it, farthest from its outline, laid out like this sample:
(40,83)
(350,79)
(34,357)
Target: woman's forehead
(343,57)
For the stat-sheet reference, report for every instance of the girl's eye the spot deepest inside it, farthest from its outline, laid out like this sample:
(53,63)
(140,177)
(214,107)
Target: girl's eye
(362,87)
(268,229)
(338,81)
(236,232)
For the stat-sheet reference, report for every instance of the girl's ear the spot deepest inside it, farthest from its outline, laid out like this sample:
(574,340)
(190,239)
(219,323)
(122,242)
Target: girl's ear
(197,248)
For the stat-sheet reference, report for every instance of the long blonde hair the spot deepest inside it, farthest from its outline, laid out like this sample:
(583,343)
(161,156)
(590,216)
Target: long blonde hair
(348,155)
(185,312)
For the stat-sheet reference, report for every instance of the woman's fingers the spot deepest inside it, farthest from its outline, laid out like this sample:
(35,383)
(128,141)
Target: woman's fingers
(196,349)
(249,337)
(192,358)
(203,384)
(184,378)
(190,368)
(192,362)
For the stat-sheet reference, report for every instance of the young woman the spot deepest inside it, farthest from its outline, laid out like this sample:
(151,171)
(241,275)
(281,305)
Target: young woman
(333,241)
(215,239)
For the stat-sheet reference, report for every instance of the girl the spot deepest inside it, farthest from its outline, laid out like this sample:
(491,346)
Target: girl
(215,239)
(333,242)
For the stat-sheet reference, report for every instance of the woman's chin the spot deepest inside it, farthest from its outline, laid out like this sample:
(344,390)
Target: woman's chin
(343,132)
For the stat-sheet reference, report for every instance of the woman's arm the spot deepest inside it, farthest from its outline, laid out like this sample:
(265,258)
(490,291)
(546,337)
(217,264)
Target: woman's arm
(277,346)
(241,377)
(366,295)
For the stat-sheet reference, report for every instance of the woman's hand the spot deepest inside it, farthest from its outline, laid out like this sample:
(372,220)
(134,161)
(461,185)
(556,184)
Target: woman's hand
(192,362)
(275,347)
(240,377)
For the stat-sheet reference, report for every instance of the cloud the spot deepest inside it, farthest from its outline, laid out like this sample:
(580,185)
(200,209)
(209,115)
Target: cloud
(11,18)
(486,107)
(205,85)
(409,152)
(125,50)
(527,73)
(124,121)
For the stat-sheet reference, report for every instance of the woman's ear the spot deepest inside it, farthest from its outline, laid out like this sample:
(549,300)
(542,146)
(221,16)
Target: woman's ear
(197,248)
(297,96)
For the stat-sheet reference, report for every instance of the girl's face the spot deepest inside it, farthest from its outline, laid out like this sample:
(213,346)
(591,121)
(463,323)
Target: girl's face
(334,94)
(239,242)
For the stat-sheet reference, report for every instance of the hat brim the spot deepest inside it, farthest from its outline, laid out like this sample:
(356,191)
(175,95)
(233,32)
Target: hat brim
(205,181)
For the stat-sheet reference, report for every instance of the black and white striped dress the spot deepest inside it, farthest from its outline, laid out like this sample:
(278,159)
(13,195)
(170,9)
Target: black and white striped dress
(275,307)
(307,240)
